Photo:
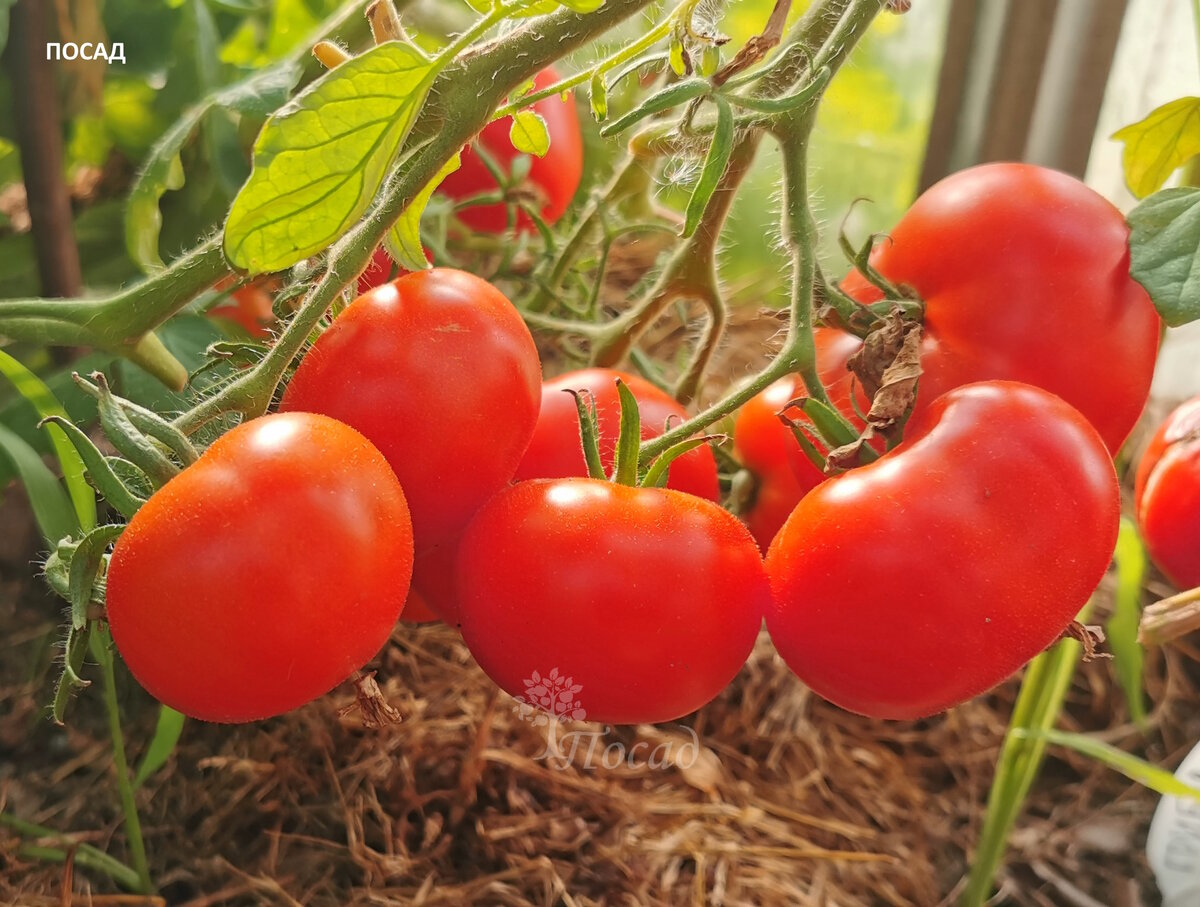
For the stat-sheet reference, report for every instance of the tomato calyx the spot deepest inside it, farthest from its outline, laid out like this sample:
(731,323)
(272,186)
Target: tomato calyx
(626,464)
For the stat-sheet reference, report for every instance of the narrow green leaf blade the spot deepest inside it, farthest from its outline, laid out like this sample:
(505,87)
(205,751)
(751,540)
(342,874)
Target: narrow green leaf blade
(1122,627)
(322,157)
(40,397)
(162,744)
(1164,248)
(1148,775)
(51,506)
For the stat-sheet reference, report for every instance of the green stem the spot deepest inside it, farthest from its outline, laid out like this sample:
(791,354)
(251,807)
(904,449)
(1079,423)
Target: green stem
(644,43)
(102,650)
(498,68)
(1043,691)
(794,128)
(85,854)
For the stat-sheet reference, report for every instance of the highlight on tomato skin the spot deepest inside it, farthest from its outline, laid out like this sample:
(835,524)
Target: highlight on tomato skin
(916,582)
(1167,496)
(555,450)
(650,599)
(554,177)
(264,574)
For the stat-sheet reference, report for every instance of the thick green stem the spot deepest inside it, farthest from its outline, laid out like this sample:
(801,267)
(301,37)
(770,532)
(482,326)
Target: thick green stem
(469,88)
(133,827)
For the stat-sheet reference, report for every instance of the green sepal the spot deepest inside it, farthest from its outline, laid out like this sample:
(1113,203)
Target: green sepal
(129,441)
(589,433)
(143,419)
(86,561)
(788,102)
(629,440)
(715,163)
(662,100)
(659,471)
(100,472)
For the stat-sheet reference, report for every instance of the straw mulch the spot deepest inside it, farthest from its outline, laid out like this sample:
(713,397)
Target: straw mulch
(788,801)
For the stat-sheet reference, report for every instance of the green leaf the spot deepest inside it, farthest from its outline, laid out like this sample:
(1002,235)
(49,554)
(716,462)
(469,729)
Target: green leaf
(162,744)
(529,133)
(404,239)
(1164,240)
(322,157)
(1157,779)
(163,171)
(51,506)
(1122,627)
(1160,144)
(714,167)
(31,387)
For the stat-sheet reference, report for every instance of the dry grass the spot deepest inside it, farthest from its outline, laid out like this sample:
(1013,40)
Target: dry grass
(790,801)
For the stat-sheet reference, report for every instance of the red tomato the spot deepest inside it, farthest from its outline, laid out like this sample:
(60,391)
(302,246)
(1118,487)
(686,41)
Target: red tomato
(264,574)
(1167,496)
(433,579)
(556,452)
(554,177)
(768,448)
(249,307)
(1025,276)
(648,598)
(912,584)
(438,370)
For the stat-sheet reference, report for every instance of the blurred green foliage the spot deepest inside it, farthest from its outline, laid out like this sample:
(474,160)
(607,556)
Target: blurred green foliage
(869,143)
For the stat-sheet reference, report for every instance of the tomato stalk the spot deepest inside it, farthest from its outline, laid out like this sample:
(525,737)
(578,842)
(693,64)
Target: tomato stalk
(501,66)
(102,650)
(792,129)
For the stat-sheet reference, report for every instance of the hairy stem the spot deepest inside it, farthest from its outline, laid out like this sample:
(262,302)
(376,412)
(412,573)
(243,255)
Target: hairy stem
(470,88)
(133,827)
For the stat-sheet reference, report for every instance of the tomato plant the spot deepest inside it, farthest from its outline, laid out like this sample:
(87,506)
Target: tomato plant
(913,583)
(555,450)
(219,589)
(649,598)
(438,370)
(768,447)
(553,177)
(1024,272)
(1167,495)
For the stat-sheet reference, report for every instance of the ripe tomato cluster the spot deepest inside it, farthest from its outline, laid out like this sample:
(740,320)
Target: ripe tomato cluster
(419,464)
